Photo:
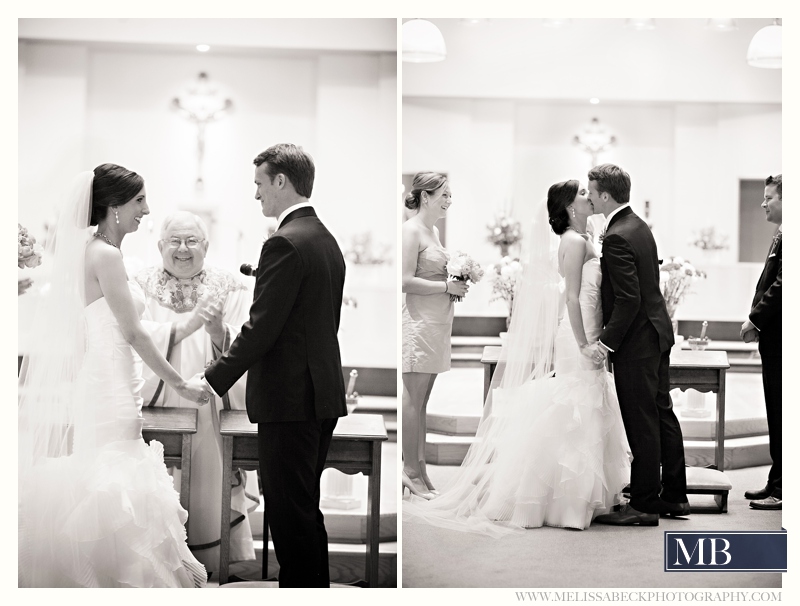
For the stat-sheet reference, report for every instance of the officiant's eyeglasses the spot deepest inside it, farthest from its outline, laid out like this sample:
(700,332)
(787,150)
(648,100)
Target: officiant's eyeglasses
(190,242)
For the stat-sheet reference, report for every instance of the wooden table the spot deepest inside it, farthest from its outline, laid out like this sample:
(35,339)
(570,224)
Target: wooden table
(356,447)
(701,370)
(173,427)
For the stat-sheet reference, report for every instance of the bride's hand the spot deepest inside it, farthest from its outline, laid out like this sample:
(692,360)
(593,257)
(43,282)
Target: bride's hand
(194,391)
(589,350)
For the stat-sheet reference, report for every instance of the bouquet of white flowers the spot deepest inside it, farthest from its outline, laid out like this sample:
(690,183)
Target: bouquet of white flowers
(462,267)
(677,275)
(29,253)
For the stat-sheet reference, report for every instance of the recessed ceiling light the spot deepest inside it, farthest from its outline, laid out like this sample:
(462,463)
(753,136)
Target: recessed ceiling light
(722,25)
(594,100)
(203,48)
(640,24)
(473,21)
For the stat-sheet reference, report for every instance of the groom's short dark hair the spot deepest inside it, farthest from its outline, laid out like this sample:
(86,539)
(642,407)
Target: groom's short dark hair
(613,180)
(777,181)
(292,161)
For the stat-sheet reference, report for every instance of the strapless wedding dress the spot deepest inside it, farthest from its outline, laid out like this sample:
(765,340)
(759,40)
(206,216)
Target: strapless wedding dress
(107,515)
(553,451)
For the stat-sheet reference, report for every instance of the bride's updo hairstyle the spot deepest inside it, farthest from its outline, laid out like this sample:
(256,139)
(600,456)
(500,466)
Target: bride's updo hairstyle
(428,182)
(559,196)
(112,185)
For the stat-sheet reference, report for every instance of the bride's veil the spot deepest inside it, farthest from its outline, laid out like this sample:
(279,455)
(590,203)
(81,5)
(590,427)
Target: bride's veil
(528,352)
(469,501)
(49,407)
(49,370)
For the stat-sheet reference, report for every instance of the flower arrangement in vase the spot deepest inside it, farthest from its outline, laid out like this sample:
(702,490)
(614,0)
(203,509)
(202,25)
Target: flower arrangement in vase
(505,277)
(676,278)
(504,231)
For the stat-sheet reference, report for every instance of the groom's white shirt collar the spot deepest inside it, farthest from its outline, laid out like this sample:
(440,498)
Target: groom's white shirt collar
(291,209)
(614,212)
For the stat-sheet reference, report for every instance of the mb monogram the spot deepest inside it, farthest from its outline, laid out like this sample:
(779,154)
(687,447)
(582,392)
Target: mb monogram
(753,551)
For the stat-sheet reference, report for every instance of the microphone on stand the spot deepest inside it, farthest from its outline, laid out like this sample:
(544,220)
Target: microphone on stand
(248,270)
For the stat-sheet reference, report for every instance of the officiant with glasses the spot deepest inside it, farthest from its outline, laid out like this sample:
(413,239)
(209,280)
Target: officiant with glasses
(194,313)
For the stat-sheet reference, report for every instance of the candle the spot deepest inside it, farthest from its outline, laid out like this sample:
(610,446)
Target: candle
(351,385)
(703,332)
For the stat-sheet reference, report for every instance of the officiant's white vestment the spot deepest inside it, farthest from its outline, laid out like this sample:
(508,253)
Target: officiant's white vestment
(169,299)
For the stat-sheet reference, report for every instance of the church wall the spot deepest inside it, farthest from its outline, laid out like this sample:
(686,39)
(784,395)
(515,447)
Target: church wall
(686,159)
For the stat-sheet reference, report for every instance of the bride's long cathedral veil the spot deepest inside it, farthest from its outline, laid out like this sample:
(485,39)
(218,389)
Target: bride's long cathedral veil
(49,406)
(527,354)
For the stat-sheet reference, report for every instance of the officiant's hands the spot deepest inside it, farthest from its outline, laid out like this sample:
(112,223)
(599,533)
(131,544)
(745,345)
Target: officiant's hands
(211,313)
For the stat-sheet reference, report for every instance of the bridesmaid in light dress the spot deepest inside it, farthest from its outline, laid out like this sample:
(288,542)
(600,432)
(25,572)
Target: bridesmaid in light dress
(427,319)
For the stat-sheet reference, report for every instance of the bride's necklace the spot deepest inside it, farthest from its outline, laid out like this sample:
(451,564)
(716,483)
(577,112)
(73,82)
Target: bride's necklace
(99,234)
(580,233)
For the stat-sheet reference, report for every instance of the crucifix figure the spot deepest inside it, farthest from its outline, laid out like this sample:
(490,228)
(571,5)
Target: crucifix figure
(594,139)
(202,104)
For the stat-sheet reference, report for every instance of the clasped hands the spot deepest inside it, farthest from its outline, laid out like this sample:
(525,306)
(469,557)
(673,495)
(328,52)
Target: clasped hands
(199,390)
(595,351)
(748,332)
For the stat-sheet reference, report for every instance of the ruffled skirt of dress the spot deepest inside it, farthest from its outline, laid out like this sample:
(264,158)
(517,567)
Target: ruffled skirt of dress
(108,518)
(553,452)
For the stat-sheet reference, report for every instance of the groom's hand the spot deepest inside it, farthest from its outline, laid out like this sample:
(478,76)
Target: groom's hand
(748,332)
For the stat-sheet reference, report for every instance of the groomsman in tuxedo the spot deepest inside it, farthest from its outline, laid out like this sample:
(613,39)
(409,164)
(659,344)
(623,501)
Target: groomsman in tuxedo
(290,351)
(638,336)
(765,326)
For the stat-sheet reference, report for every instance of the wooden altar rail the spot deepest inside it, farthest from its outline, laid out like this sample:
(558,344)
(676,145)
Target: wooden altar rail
(355,447)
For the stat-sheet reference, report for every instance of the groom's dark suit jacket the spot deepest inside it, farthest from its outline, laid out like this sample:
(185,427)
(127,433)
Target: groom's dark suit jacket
(289,346)
(766,310)
(635,316)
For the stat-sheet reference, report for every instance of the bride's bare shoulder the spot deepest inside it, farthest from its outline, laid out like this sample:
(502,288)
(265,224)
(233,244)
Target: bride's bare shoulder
(99,254)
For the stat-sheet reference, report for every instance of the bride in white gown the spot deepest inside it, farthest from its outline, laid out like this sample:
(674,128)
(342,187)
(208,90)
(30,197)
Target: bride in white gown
(96,505)
(550,449)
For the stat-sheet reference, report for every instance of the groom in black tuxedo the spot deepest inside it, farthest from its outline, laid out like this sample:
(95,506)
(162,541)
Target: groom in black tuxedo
(290,351)
(638,336)
(765,325)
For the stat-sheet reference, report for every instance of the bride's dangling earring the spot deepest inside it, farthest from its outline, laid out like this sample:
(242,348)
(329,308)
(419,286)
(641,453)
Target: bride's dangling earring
(573,212)
(116,215)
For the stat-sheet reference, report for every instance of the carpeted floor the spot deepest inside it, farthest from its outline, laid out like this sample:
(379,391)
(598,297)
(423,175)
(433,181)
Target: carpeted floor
(601,556)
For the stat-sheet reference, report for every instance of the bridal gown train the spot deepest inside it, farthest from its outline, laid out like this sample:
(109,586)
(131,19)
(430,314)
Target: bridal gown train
(552,452)
(107,515)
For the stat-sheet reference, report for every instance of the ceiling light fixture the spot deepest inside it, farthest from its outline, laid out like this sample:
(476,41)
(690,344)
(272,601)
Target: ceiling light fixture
(722,25)
(475,21)
(766,47)
(640,24)
(594,100)
(203,48)
(422,42)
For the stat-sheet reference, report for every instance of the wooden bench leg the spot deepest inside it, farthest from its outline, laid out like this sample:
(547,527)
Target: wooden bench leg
(722,501)
(373,517)
(225,518)
(186,470)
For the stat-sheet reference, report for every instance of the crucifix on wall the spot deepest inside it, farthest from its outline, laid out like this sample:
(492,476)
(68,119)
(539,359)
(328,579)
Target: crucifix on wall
(594,139)
(202,104)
